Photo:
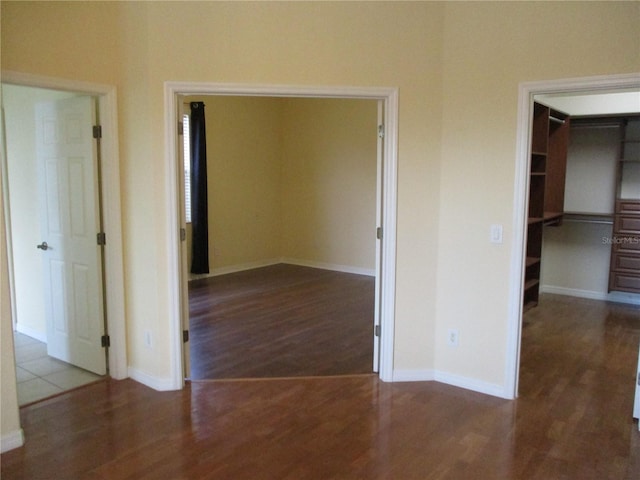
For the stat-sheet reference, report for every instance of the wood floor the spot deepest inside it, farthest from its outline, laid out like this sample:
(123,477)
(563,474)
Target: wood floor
(281,321)
(571,421)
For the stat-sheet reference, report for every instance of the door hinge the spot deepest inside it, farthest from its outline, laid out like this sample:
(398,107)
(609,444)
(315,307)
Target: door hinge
(379,233)
(183,234)
(97,131)
(102,238)
(180,128)
(105,341)
(185,336)
(376,330)
(380,131)
(638,378)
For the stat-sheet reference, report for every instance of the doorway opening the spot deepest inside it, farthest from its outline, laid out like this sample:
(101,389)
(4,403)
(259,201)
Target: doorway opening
(527,92)
(291,222)
(52,188)
(174,94)
(34,89)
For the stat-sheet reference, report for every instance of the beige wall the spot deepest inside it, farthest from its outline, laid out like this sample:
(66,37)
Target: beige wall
(457,67)
(291,179)
(489,48)
(244,149)
(10,431)
(329,182)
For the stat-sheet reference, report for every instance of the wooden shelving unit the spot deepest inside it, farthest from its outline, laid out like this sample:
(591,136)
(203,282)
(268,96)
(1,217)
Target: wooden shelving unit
(548,165)
(624,270)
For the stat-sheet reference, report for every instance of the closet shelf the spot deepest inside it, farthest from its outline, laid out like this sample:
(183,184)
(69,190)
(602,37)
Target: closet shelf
(531,283)
(532,261)
(586,217)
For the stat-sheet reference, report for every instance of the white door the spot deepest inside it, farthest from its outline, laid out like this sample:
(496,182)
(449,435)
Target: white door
(184,158)
(636,403)
(69,219)
(379,235)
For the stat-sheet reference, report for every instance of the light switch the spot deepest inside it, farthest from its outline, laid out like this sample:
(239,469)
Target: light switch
(496,233)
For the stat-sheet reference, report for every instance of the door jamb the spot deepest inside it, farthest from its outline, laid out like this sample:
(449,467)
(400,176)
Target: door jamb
(114,273)
(389,96)
(526,92)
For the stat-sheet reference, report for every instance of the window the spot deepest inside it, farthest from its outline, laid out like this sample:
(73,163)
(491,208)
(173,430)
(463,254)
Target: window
(186,141)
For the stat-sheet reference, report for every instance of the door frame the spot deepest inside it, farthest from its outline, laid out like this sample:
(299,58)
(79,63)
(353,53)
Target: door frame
(110,171)
(526,93)
(389,97)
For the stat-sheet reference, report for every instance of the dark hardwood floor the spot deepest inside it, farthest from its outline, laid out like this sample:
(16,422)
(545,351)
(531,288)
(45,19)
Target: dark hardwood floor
(281,321)
(571,421)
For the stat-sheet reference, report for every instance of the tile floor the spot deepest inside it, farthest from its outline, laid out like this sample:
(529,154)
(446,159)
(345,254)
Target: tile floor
(40,376)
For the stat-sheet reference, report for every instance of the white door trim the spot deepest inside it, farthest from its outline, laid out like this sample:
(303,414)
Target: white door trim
(526,92)
(114,273)
(387,296)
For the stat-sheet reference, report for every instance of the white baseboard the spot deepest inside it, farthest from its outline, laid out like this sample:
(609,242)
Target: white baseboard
(471,384)
(291,261)
(450,379)
(330,266)
(413,376)
(32,332)
(617,297)
(12,440)
(159,384)
(241,267)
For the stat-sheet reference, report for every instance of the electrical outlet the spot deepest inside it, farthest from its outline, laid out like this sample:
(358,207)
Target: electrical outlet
(496,234)
(452,337)
(148,340)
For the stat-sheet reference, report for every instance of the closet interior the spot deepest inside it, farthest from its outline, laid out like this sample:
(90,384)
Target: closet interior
(583,229)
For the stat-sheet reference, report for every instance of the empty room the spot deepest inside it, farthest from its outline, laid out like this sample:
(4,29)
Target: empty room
(432,217)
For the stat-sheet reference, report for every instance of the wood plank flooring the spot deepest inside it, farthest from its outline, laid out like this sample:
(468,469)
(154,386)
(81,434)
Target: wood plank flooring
(572,420)
(281,321)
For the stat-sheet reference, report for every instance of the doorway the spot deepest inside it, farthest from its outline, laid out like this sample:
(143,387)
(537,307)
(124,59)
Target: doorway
(54,214)
(109,171)
(292,195)
(388,97)
(527,92)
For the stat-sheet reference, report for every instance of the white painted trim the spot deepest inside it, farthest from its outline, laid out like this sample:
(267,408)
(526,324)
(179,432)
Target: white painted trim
(526,92)
(241,267)
(387,298)
(12,440)
(450,379)
(472,384)
(111,202)
(413,375)
(31,332)
(330,266)
(616,297)
(159,384)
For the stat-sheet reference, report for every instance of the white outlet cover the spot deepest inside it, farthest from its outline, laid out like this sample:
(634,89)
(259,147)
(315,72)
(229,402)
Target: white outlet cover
(496,233)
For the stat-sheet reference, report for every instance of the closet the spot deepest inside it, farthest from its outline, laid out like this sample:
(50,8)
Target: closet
(595,252)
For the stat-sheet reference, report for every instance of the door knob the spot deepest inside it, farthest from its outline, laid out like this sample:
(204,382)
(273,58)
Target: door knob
(43,246)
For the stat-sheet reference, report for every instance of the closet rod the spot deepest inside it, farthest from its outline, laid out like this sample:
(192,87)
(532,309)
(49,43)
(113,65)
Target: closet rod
(596,222)
(594,125)
(594,219)
(555,119)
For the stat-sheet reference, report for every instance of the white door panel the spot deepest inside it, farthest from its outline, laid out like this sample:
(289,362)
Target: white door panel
(379,170)
(636,404)
(69,221)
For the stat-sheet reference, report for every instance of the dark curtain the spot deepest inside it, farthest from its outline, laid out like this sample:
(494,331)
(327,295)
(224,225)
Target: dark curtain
(199,210)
